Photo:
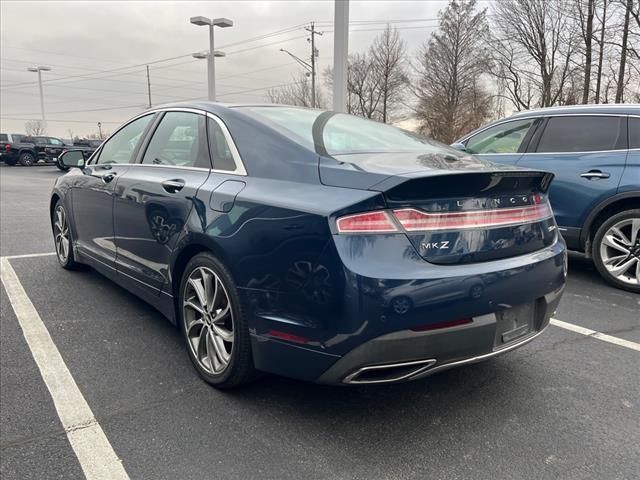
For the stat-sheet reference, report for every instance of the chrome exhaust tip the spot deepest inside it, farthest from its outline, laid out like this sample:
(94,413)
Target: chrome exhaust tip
(389,373)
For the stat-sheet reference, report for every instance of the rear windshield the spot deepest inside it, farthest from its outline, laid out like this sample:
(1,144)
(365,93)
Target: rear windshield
(342,133)
(3,137)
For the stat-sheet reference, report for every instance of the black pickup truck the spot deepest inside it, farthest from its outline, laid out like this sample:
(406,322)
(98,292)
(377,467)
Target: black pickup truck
(29,150)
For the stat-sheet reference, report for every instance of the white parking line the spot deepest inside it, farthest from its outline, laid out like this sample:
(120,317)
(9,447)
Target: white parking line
(94,452)
(30,255)
(593,334)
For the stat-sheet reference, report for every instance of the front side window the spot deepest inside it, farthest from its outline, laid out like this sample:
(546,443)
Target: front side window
(504,138)
(220,151)
(634,132)
(582,134)
(179,140)
(120,147)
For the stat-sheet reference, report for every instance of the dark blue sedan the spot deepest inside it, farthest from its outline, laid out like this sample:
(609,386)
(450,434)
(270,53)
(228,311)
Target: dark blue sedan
(313,244)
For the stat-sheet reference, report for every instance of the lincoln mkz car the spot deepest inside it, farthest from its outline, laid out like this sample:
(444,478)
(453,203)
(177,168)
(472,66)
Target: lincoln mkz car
(313,244)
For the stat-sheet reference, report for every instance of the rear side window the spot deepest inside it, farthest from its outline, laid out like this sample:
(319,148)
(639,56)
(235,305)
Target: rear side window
(634,132)
(583,134)
(220,151)
(504,138)
(179,140)
(120,147)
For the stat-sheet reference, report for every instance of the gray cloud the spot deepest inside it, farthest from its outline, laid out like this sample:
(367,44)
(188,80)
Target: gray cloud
(82,40)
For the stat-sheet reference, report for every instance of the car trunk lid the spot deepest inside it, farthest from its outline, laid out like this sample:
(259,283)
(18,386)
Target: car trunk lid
(460,209)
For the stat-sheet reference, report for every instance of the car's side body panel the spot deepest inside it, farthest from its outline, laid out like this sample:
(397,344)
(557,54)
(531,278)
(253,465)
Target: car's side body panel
(585,182)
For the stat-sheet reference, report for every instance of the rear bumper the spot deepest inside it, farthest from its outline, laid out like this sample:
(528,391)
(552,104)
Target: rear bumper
(409,355)
(372,310)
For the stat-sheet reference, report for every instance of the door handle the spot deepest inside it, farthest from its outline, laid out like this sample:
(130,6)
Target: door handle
(595,174)
(173,186)
(108,177)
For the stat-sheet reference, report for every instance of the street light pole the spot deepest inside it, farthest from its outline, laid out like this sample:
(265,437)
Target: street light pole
(211,62)
(340,52)
(211,68)
(39,70)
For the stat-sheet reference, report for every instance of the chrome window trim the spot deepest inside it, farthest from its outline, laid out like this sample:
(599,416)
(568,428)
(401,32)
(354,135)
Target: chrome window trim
(180,167)
(534,117)
(240,168)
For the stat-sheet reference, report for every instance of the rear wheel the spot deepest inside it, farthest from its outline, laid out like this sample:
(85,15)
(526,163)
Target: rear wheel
(213,323)
(27,159)
(616,250)
(62,238)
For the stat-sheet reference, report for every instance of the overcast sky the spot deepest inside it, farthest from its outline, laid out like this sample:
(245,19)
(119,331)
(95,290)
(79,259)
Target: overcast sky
(97,52)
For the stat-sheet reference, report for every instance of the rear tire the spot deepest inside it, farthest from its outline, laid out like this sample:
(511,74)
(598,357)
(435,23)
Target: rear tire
(616,250)
(27,159)
(62,237)
(213,323)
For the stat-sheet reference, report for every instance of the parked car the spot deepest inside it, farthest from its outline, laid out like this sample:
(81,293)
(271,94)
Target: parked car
(277,239)
(32,149)
(89,143)
(594,152)
(6,140)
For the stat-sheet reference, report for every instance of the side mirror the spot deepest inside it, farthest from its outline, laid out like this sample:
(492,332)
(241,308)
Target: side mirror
(459,146)
(71,159)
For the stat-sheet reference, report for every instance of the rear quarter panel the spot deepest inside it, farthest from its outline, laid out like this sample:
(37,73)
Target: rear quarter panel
(630,181)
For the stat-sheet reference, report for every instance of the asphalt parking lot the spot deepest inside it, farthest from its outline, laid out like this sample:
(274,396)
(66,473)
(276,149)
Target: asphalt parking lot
(565,406)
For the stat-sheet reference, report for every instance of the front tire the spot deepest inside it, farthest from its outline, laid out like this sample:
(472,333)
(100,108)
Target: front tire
(616,250)
(27,159)
(62,238)
(213,323)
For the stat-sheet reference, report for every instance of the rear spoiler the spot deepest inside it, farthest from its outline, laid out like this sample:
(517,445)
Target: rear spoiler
(464,183)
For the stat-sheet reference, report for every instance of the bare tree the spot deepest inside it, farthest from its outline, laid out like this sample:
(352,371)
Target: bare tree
(585,10)
(603,23)
(540,39)
(35,127)
(388,60)
(297,93)
(623,52)
(450,66)
(364,90)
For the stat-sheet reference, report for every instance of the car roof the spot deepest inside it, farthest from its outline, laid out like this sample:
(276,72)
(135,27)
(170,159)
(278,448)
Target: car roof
(216,107)
(601,109)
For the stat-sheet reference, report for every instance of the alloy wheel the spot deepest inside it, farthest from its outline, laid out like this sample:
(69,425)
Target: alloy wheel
(208,319)
(27,160)
(620,251)
(61,234)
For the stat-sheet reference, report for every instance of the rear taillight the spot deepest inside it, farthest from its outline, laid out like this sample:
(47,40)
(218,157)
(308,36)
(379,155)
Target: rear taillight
(369,222)
(7,148)
(413,220)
